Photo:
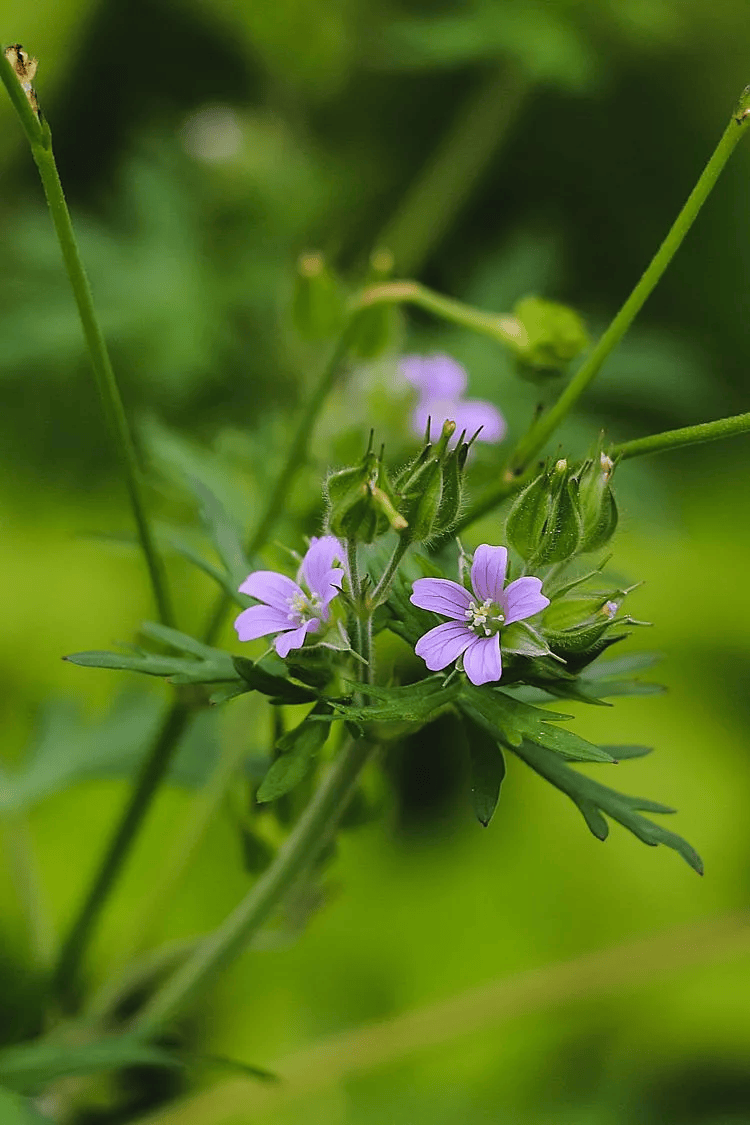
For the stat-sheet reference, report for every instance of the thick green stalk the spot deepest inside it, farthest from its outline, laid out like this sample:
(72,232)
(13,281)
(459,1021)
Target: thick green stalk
(539,434)
(295,857)
(502,328)
(436,196)
(40,141)
(686,435)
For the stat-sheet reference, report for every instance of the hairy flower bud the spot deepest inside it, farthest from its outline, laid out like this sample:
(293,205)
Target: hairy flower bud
(422,485)
(596,501)
(544,525)
(361,501)
(554,335)
(318,303)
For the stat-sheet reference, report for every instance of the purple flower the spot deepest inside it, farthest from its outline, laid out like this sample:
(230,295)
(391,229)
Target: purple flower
(441,383)
(286,608)
(474,628)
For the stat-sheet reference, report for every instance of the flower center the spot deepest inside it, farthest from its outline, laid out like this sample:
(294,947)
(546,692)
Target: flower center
(304,607)
(485,618)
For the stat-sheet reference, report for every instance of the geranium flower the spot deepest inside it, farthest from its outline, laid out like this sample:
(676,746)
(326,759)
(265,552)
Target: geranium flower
(476,621)
(286,607)
(441,384)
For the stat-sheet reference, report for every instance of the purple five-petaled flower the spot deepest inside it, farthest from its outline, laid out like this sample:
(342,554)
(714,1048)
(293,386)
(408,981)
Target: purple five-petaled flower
(287,608)
(476,620)
(441,384)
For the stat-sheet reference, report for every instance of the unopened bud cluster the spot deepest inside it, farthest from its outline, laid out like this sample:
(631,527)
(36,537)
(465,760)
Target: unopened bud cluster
(564,511)
(421,503)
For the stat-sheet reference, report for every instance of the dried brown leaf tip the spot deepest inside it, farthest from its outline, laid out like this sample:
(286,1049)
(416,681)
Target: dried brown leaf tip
(25,68)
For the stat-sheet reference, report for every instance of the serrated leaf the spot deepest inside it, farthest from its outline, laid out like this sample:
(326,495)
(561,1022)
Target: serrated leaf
(225,532)
(417,703)
(511,721)
(298,748)
(487,771)
(203,664)
(258,679)
(28,1067)
(594,799)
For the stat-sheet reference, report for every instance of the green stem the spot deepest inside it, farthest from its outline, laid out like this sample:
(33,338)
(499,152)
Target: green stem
(380,593)
(432,202)
(295,857)
(686,435)
(40,140)
(539,434)
(502,328)
(65,975)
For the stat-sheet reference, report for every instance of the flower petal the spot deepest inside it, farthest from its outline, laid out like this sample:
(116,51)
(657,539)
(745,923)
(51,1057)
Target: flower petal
(260,620)
(438,376)
(318,562)
(488,572)
(269,587)
(482,663)
(523,598)
(332,586)
(434,409)
(441,595)
(471,413)
(295,638)
(443,644)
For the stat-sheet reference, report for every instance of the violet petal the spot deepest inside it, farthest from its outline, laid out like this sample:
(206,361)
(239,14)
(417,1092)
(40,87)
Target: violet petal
(296,637)
(488,572)
(523,598)
(272,588)
(482,662)
(319,560)
(443,644)
(260,620)
(441,595)
(438,376)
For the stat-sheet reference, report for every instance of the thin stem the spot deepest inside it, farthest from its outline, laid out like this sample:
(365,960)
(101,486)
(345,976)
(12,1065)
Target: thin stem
(355,585)
(294,858)
(380,593)
(504,329)
(548,423)
(152,773)
(432,202)
(159,757)
(40,140)
(686,435)
(295,458)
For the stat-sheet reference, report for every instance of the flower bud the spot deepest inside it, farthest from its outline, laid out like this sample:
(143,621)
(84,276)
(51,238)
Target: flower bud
(361,501)
(420,488)
(554,335)
(596,501)
(318,305)
(451,497)
(543,524)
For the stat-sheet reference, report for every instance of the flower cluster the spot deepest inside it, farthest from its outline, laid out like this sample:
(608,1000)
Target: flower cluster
(290,610)
(441,384)
(476,622)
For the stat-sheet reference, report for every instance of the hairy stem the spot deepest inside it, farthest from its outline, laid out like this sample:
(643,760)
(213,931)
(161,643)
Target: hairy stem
(686,435)
(40,141)
(295,857)
(539,434)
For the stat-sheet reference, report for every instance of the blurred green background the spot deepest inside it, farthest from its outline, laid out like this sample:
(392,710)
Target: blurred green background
(499,147)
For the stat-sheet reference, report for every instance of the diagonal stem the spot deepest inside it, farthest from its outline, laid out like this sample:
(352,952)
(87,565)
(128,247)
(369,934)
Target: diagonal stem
(686,435)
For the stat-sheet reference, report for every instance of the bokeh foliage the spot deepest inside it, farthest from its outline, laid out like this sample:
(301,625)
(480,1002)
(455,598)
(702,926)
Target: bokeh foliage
(337,111)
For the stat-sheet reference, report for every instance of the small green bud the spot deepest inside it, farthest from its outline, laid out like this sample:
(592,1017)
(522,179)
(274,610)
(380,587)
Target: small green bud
(451,497)
(421,485)
(554,335)
(318,305)
(596,501)
(361,500)
(543,524)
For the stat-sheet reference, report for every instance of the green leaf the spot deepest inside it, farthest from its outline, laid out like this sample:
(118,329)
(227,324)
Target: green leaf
(487,771)
(226,534)
(511,721)
(257,679)
(298,749)
(594,799)
(523,640)
(202,665)
(28,1067)
(417,703)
